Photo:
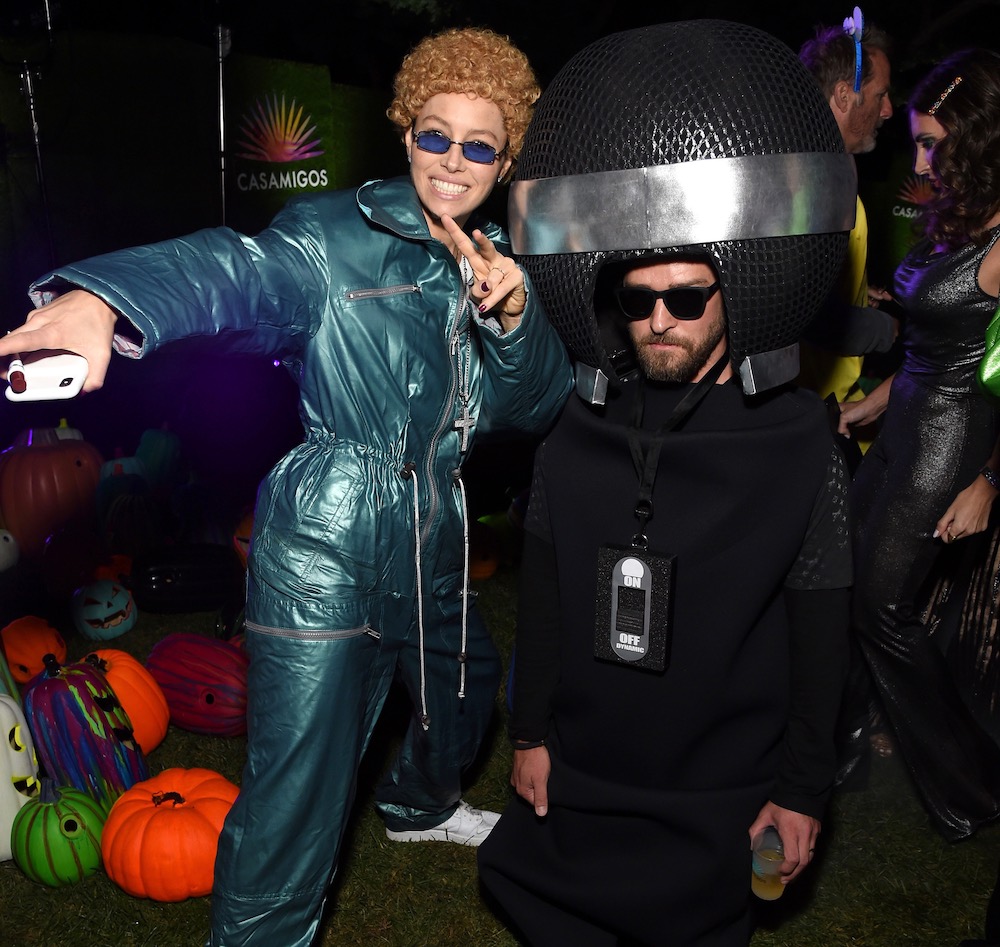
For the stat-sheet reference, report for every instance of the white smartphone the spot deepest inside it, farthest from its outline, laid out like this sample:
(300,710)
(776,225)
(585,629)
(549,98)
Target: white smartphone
(49,378)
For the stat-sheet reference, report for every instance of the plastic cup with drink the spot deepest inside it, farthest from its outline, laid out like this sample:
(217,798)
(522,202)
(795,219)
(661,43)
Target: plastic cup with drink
(767,855)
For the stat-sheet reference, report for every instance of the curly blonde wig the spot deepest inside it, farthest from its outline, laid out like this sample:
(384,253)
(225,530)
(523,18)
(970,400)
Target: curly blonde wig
(476,61)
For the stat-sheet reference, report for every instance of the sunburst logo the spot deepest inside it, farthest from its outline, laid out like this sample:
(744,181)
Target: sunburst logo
(278,132)
(916,189)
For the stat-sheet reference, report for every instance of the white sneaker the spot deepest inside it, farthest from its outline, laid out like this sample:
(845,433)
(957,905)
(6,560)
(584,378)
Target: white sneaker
(465,826)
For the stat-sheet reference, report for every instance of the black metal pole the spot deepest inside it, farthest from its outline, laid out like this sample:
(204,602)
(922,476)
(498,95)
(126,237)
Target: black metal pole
(28,88)
(223,45)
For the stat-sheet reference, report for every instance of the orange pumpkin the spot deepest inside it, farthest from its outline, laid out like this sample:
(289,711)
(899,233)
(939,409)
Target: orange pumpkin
(138,693)
(484,551)
(26,641)
(161,835)
(44,486)
(117,567)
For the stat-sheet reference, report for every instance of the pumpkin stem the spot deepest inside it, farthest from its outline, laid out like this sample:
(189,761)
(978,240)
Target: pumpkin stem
(161,797)
(49,793)
(97,662)
(52,665)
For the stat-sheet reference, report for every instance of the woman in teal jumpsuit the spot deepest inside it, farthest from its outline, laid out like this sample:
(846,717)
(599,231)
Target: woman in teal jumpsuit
(409,329)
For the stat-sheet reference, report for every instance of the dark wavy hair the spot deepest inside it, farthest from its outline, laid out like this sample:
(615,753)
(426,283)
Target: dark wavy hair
(966,162)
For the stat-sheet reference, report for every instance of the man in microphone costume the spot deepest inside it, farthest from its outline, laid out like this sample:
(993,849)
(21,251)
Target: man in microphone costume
(682,205)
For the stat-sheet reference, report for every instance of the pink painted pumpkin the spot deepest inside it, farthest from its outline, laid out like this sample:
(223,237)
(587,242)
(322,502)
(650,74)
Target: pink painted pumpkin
(204,681)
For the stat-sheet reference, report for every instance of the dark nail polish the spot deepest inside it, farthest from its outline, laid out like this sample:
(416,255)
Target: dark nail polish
(485,286)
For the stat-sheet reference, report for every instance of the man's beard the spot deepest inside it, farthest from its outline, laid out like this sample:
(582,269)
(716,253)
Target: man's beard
(680,364)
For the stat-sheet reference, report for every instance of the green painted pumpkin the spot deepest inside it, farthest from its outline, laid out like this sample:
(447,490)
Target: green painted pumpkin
(56,837)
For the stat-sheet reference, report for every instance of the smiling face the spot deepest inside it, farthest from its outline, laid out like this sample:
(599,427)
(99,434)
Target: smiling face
(926,132)
(450,183)
(671,349)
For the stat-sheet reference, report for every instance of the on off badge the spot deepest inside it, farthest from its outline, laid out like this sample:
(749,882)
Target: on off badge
(633,607)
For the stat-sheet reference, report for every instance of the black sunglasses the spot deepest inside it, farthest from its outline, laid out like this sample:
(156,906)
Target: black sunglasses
(683,302)
(438,144)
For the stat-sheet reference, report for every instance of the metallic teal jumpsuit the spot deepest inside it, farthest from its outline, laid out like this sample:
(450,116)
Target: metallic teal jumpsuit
(357,564)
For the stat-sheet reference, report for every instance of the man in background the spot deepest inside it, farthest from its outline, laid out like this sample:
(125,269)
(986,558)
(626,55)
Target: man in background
(850,325)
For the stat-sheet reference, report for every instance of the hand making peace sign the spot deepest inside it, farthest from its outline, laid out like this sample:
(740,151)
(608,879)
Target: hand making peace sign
(497,279)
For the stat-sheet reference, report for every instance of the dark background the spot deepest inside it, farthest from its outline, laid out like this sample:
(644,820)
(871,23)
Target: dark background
(138,82)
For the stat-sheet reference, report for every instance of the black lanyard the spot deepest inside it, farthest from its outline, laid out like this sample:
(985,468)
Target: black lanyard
(646,464)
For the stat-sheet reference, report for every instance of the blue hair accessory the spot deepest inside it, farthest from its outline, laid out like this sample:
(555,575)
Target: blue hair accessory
(855,26)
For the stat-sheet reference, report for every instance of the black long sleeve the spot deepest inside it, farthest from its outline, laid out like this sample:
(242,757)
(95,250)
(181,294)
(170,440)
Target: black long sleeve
(852,330)
(819,647)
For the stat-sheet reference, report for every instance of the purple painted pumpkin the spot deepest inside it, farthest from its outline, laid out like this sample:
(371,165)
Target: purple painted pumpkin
(82,734)
(204,681)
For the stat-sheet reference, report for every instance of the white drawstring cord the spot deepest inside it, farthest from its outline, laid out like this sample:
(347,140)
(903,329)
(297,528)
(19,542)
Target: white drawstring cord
(463,656)
(410,473)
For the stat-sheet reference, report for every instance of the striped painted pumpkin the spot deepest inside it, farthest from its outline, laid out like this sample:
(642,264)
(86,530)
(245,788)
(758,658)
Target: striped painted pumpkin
(82,734)
(140,695)
(204,681)
(56,837)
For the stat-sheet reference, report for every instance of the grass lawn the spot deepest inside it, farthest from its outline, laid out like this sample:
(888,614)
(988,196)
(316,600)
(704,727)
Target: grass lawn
(883,877)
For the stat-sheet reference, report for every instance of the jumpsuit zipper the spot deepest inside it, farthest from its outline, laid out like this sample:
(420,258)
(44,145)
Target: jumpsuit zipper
(376,293)
(454,338)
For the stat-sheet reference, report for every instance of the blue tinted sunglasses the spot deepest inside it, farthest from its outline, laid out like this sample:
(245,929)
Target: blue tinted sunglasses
(477,151)
(682,302)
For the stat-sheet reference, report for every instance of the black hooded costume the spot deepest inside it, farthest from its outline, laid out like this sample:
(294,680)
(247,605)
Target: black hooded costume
(657,775)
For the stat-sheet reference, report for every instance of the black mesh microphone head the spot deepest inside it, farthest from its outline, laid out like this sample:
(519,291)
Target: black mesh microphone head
(670,94)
